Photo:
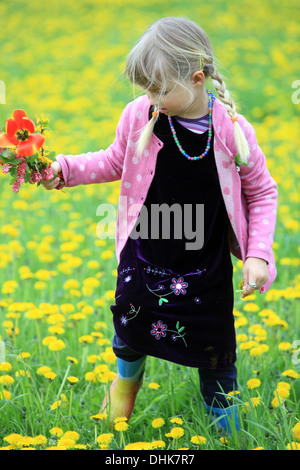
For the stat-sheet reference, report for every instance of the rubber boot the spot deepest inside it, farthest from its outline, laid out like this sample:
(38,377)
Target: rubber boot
(229,418)
(120,399)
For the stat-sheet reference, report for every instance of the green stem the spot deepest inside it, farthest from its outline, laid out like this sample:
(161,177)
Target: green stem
(71,398)
(63,382)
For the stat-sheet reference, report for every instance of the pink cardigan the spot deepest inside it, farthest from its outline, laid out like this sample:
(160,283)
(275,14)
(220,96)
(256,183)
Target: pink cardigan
(250,195)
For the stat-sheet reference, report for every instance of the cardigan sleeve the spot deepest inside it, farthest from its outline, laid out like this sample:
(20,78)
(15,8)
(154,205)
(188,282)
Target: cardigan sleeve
(259,191)
(97,167)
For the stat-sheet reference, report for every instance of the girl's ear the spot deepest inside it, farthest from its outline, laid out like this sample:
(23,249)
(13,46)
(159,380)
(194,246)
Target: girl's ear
(198,78)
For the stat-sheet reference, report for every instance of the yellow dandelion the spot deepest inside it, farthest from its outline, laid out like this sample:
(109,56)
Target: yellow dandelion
(282,392)
(176,420)
(198,440)
(90,377)
(259,350)
(14,439)
(26,441)
(86,339)
(224,440)
(43,370)
(57,345)
(248,345)
(5,395)
(290,373)
(253,383)
(293,446)
(284,346)
(121,426)
(158,444)
(138,446)
(241,338)
(296,432)
(72,360)
(276,402)
(99,416)
(121,419)
(105,438)
(34,314)
(7,380)
(72,380)
(50,375)
(175,433)
(24,355)
(251,307)
(56,431)
(66,442)
(71,435)
(158,422)
(154,386)
(39,440)
(5,367)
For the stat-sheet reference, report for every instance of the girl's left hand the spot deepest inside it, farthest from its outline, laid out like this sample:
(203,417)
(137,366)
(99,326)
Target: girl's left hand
(254,270)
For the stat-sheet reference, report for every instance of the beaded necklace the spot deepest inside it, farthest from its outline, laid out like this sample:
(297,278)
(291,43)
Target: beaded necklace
(210,102)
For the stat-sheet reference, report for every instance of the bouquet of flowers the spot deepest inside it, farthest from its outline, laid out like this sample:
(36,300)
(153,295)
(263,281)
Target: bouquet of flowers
(22,151)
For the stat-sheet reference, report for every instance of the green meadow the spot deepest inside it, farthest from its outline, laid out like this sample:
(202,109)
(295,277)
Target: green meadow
(64,60)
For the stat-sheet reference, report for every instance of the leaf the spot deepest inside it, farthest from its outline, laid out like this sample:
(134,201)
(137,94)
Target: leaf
(181,329)
(10,161)
(161,300)
(7,153)
(177,325)
(32,158)
(238,161)
(51,155)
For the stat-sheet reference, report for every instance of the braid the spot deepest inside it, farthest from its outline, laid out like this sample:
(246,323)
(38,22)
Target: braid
(147,132)
(225,98)
(223,93)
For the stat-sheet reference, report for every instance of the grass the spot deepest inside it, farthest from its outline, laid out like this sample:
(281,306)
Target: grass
(54,267)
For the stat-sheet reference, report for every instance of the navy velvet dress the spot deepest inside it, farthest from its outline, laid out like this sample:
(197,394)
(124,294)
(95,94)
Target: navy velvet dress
(174,293)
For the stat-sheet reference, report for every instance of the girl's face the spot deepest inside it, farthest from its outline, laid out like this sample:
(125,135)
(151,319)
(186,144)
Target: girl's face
(180,101)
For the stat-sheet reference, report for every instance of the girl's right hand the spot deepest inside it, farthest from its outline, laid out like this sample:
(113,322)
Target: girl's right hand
(56,168)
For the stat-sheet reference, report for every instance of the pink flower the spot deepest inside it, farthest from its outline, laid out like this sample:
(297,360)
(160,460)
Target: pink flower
(5,169)
(47,173)
(20,176)
(35,177)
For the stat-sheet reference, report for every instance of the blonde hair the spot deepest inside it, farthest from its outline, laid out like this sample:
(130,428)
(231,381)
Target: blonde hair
(170,51)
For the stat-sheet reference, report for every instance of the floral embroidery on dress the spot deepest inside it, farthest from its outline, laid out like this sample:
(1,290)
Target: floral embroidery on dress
(159,330)
(179,286)
(126,270)
(124,319)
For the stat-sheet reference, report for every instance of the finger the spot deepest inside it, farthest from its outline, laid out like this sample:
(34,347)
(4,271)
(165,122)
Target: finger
(51,184)
(56,167)
(248,290)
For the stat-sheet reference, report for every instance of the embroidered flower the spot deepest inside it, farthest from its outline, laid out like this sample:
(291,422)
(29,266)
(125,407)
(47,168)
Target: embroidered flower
(179,286)
(159,330)
(124,320)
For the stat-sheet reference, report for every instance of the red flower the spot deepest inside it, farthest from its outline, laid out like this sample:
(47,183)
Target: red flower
(20,134)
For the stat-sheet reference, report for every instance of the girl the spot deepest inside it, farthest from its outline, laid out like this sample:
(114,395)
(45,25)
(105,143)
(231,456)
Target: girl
(181,151)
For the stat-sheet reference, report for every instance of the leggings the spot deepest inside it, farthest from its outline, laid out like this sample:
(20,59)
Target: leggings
(213,382)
